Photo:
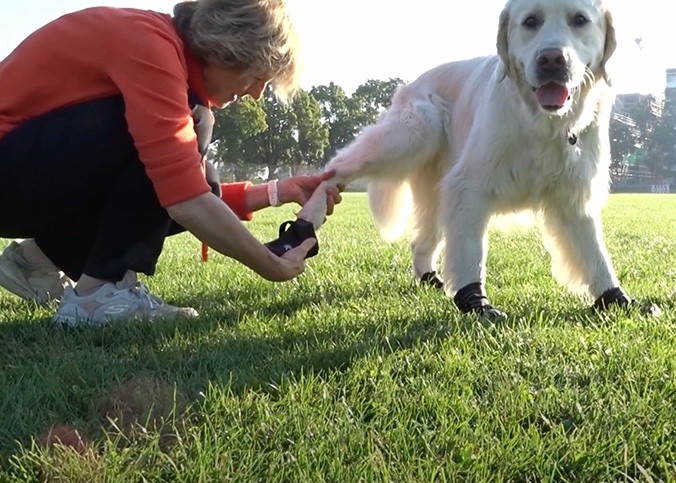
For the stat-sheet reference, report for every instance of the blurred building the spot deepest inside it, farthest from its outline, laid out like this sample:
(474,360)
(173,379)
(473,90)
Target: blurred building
(625,103)
(645,169)
(671,80)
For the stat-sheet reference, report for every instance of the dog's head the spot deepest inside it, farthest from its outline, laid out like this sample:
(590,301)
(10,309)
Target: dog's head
(553,48)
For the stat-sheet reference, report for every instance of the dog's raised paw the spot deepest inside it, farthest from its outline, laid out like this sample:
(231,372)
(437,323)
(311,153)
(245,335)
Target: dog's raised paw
(292,234)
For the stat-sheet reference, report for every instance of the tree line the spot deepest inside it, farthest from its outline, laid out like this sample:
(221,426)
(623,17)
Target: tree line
(264,139)
(258,139)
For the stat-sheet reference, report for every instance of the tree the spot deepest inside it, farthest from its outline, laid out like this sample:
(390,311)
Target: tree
(312,133)
(338,114)
(234,126)
(375,97)
(259,137)
(277,144)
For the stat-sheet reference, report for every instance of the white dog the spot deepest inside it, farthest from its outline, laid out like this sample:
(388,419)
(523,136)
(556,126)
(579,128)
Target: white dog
(524,129)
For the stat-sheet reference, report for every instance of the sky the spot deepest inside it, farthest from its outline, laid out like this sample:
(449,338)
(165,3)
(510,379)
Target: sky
(351,41)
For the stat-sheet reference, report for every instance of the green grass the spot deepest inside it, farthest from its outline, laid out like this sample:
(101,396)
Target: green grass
(353,373)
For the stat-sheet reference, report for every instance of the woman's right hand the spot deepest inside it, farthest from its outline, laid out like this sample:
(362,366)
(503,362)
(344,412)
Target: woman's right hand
(289,265)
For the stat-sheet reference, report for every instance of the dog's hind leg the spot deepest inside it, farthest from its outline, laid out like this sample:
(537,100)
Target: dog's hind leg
(426,240)
(408,135)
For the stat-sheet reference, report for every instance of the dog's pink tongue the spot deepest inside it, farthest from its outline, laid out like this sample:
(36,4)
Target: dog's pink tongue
(552,95)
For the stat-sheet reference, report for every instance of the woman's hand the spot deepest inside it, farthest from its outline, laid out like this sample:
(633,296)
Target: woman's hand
(210,220)
(300,188)
(289,265)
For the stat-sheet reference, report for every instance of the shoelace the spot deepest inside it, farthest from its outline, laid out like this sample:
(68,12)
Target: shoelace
(143,293)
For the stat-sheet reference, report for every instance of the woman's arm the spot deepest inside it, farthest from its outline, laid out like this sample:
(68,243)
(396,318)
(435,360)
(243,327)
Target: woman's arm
(213,223)
(256,197)
(295,189)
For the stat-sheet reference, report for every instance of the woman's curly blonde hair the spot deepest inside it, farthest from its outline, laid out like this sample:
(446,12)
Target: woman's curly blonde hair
(256,35)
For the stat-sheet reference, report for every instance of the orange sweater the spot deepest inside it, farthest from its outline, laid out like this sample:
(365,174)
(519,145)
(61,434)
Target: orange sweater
(101,52)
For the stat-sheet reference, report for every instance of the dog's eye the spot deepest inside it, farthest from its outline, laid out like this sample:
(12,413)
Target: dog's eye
(531,22)
(580,20)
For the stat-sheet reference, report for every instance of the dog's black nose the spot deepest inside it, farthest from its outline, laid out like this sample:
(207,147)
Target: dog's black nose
(551,59)
(552,65)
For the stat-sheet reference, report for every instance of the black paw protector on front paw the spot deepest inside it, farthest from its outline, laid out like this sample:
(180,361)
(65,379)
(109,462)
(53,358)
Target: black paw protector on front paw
(473,299)
(432,279)
(613,296)
(292,234)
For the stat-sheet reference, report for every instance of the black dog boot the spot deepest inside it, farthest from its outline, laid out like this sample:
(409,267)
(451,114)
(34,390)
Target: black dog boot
(292,234)
(613,296)
(616,296)
(472,299)
(432,279)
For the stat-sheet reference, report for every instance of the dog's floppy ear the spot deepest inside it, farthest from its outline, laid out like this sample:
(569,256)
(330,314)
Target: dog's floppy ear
(502,43)
(610,45)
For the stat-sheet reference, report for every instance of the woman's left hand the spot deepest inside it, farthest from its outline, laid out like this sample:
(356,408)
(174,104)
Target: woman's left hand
(300,188)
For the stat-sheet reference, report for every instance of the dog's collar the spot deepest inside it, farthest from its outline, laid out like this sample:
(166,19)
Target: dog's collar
(572,138)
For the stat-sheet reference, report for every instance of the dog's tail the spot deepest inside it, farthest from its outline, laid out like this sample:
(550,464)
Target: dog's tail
(391,204)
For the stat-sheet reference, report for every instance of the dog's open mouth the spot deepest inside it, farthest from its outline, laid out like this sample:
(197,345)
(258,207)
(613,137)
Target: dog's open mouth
(552,96)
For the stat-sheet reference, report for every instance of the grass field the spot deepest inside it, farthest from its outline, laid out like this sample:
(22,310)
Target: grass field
(353,373)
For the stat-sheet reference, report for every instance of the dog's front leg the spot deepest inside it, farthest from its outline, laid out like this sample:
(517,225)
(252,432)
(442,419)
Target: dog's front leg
(579,255)
(466,210)
(311,217)
(315,209)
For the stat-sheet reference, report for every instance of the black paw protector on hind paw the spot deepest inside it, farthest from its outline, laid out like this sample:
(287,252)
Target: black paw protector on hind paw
(292,234)
(613,296)
(432,279)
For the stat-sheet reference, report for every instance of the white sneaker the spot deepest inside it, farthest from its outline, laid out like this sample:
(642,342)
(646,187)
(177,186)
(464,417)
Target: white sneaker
(39,282)
(124,300)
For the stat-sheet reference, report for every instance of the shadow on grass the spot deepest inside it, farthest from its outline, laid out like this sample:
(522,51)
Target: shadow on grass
(53,375)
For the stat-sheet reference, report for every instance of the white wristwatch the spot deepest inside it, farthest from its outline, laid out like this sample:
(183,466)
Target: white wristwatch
(273,194)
